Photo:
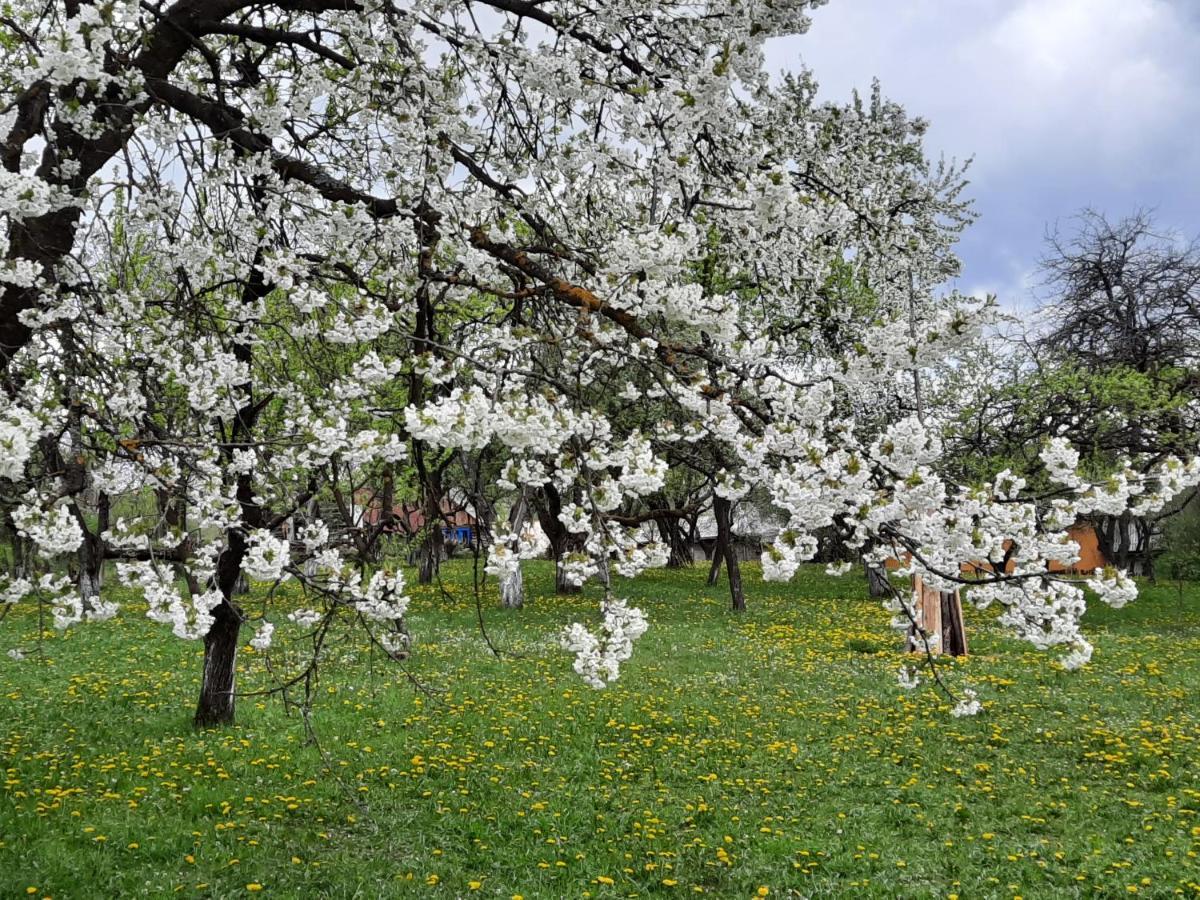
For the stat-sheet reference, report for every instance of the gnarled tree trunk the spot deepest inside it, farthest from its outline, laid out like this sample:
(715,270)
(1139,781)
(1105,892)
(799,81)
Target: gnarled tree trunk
(217,701)
(433,547)
(672,534)
(91,555)
(561,584)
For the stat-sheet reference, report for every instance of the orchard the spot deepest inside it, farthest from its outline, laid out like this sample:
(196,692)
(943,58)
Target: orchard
(310,308)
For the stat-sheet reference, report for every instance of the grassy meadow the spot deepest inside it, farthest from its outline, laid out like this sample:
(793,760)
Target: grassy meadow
(767,754)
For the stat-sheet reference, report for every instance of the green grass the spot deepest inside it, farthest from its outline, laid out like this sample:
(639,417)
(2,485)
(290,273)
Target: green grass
(771,750)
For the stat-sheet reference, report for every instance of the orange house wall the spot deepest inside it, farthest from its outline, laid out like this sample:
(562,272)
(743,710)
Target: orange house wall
(1082,533)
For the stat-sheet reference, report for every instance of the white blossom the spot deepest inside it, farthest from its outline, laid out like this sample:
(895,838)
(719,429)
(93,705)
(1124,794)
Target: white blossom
(262,636)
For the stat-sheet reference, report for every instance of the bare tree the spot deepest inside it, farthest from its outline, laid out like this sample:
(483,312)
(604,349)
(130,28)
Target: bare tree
(1123,294)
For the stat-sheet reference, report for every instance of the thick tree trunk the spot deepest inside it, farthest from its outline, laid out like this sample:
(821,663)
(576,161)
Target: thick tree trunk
(1125,542)
(877,581)
(91,569)
(218,681)
(672,534)
(387,517)
(429,560)
(723,511)
(603,574)
(561,585)
(91,552)
(560,538)
(512,589)
(433,549)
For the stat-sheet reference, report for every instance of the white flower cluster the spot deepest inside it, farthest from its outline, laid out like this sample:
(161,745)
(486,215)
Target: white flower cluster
(633,556)
(15,589)
(24,196)
(1077,657)
(305,618)
(598,659)
(1113,586)
(55,530)
(266,556)
(507,550)
(158,584)
(968,704)
(262,636)
(19,431)
(384,599)
(66,606)
(1061,461)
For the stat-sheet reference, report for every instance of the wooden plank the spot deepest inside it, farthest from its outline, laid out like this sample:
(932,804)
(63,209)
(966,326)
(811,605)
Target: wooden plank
(937,613)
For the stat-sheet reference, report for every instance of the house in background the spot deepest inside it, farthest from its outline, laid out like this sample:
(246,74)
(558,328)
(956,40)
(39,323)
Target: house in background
(457,517)
(753,529)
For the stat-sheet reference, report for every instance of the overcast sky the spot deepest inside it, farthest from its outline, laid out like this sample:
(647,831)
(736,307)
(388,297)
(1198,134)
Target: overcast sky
(1062,103)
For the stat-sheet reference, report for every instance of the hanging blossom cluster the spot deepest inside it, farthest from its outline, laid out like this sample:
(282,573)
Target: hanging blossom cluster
(189,620)
(598,658)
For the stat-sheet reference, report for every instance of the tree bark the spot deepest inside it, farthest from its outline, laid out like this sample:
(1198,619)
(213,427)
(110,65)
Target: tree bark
(512,586)
(429,559)
(603,573)
(512,589)
(714,570)
(561,585)
(672,534)
(877,581)
(560,538)
(1125,542)
(433,547)
(723,511)
(91,555)
(218,681)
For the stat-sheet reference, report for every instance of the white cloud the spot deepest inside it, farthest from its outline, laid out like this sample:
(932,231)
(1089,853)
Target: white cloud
(1062,103)
(1101,77)
(1013,82)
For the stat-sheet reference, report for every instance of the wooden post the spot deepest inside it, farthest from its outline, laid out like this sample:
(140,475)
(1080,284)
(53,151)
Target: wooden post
(937,613)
